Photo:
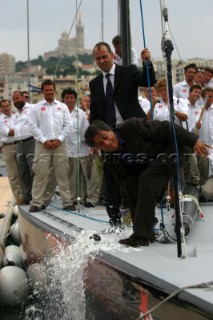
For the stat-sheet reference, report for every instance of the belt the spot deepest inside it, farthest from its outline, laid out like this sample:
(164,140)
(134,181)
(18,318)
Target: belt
(15,142)
(9,143)
(22,141)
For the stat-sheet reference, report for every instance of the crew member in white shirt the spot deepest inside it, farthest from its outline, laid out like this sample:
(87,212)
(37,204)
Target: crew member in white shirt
(50,123)
(145,102)
(208,77)
(161,110)
(204,127)
(181,89)
(82,183)
(25,143)
(191,171)
(9,150)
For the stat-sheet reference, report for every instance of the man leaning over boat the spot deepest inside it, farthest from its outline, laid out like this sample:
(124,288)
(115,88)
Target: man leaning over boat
(139,153)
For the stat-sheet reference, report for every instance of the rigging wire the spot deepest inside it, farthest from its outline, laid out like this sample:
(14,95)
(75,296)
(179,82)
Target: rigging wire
(78,182)
(62,50)
(147,66)
(181,60)
(195,286)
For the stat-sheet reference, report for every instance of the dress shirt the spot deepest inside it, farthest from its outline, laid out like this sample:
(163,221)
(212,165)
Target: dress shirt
(134,58)
(181,90)
(21,123)
(50,121)
(112,79)
(206,131)
(76,145)
(209,84)
(194,111)
(162,112)
(144,103)
(6,123)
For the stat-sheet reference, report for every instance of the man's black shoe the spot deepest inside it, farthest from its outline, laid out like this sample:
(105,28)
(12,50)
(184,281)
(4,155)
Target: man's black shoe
(34,209)
(70,207)
(43,207)
(152,238)
(89,204)
(134,241)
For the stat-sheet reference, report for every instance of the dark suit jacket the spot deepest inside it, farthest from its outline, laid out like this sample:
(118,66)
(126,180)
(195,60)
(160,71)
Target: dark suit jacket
(127,81)
(149,141)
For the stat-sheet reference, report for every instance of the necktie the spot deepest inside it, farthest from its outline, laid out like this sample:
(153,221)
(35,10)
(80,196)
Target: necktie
(110,111)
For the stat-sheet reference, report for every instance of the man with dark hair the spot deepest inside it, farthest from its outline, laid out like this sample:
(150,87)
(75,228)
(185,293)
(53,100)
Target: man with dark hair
(50,123)
(181,89)
(140,155)
(121,104)
(26,96)
(69,91)
(208,74)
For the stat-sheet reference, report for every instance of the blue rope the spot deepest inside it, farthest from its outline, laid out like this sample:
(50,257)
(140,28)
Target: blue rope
(147,66)
(80,215)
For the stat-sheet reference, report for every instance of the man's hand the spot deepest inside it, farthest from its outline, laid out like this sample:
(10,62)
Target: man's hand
(93,150)
(56,143)
(49,144)
(11,133)
(145,54)
(201,148)
(198,125)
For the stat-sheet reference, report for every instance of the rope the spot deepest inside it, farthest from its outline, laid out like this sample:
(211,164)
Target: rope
(147,66)
(195,286)
(79,214)
(82,97)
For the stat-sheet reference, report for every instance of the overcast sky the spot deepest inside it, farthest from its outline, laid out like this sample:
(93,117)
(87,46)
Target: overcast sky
(191,23)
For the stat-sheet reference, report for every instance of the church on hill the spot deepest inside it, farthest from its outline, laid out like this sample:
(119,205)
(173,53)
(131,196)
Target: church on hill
(70,46)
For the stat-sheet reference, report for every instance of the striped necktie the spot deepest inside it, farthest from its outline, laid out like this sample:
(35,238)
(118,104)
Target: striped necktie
(110,111)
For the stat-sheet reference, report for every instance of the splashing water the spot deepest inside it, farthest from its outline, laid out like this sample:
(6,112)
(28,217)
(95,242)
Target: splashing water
(60,287)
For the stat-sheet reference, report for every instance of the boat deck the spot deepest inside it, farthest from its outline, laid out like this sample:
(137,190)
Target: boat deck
(159,261)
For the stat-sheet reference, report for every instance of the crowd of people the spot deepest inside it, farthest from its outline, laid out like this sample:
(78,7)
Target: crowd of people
(110,141)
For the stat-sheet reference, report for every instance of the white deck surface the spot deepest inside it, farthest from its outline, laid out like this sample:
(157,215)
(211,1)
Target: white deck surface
(159,259)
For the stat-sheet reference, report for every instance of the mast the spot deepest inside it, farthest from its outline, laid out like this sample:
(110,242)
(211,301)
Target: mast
(124,26)
(28,42)
(102,20)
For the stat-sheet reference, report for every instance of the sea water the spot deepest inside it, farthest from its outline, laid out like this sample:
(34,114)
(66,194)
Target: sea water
(58,293)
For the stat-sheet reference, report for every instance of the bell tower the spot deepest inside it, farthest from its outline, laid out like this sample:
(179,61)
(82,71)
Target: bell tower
(80,32)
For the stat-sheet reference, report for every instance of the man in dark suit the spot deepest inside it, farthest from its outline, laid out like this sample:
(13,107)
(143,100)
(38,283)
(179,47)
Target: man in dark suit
(125,81)
(140,155)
